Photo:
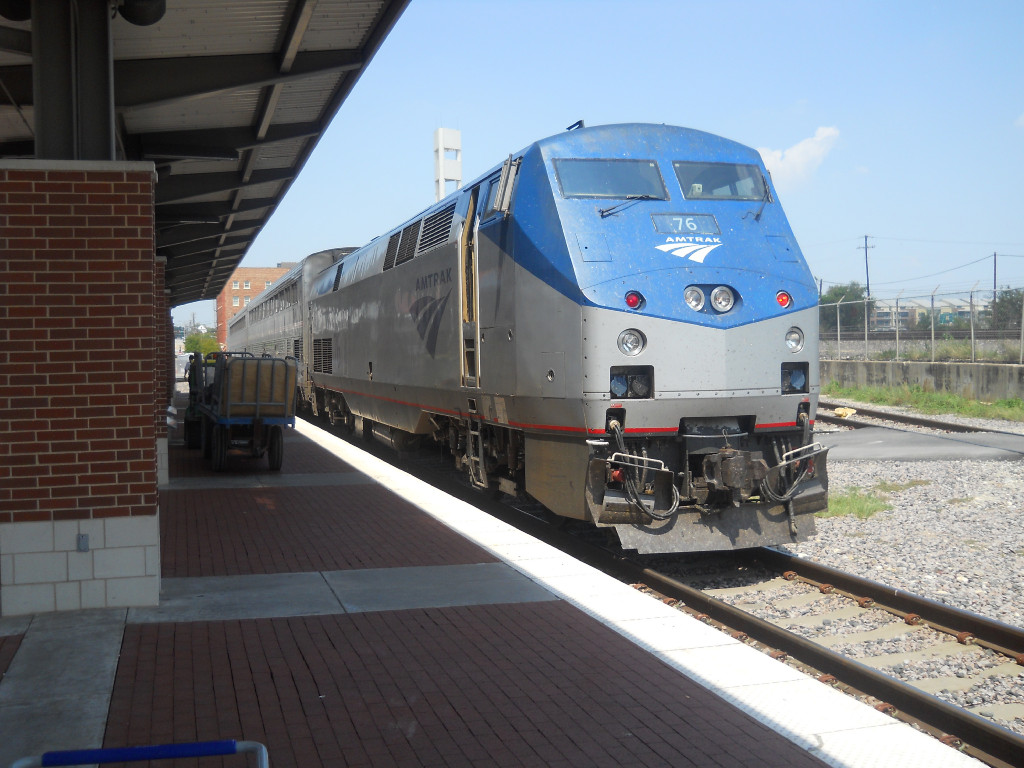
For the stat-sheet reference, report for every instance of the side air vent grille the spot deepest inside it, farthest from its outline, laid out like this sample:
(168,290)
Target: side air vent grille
(408,247)
(436,228)
(322,356)
(389,259)
(297,350)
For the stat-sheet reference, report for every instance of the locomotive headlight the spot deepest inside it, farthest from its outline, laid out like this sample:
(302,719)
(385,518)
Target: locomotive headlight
(794,339)
(639,385)
(694,298)
(632,382)
(619,385)
(631,342)
(722,299)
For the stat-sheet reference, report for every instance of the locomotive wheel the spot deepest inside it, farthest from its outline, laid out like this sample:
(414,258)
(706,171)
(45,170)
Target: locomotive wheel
(348,423)
(219,447)
(275,448)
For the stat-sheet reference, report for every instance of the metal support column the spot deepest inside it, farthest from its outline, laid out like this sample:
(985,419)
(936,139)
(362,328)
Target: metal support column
(95,86)
(53,79)
(72,80)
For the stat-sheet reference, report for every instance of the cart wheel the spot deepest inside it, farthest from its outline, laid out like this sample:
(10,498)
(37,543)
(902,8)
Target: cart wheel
(275,448)
(206,437)
(219,449)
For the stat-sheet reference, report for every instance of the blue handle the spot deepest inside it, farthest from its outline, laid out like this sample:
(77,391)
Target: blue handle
(130,754)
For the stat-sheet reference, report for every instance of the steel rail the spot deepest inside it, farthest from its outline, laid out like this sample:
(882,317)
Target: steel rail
(995,744)
(1004,638)
(902,418)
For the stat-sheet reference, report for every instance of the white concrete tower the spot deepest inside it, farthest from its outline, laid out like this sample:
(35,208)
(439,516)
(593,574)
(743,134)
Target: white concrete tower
(447,160)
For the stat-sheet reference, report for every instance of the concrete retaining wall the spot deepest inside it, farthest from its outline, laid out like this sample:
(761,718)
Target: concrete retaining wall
(982,381)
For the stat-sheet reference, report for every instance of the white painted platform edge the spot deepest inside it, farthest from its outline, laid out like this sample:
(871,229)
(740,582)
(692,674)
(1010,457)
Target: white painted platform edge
(833,726)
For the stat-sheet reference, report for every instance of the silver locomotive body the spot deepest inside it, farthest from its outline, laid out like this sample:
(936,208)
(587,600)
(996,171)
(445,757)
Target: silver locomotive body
(542,324)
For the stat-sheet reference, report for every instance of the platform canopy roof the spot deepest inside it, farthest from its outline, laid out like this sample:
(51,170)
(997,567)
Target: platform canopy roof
(227,97)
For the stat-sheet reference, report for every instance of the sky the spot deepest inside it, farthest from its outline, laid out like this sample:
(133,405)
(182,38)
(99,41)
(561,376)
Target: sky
(902,121)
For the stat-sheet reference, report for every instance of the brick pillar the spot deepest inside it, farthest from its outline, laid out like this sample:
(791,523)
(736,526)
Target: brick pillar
(79,345)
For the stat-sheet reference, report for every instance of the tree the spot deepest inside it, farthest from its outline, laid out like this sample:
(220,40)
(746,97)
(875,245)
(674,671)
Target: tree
(851,311)
(201,343)
(1006,309)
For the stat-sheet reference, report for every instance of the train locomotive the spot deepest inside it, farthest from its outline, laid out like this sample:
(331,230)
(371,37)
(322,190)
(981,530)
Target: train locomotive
(616,321)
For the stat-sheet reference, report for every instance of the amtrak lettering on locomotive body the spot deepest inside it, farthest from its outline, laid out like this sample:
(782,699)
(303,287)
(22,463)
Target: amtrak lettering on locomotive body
(693,239)
(434,279)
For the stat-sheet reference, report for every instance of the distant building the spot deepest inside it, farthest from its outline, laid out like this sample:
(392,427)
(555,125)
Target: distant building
(245,284)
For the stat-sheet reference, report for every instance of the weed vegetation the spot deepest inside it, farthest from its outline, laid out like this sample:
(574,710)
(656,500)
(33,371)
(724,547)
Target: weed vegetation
(916,398)
(863,504)
(854,501)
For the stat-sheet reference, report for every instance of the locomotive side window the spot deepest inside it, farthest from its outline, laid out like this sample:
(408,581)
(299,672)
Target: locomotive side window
(610,179)
(490,207)
(720,181)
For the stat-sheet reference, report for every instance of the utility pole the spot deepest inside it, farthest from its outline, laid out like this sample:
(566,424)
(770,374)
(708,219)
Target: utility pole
(994,275)
(867,273)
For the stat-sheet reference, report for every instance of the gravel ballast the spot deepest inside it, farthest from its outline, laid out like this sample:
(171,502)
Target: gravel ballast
(955,534)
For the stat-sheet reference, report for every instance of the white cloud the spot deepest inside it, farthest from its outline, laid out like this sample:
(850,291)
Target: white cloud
(791,166)
(1019,122)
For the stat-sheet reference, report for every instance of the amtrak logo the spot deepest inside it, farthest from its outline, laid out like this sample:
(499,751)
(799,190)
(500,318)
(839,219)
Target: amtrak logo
(693,248)
(427,312)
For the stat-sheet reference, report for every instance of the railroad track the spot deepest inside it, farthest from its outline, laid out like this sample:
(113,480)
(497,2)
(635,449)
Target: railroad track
(868,417)
(740,611)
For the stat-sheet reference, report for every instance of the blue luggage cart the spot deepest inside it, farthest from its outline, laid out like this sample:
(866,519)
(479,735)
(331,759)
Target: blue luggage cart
(243,401)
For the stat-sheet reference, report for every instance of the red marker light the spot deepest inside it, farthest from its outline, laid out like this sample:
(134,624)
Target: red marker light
(784,299)
(634,300)
(618,476)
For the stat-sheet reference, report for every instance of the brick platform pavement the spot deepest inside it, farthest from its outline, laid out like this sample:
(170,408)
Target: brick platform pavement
(536,684)
(222,532)
(513,684)
(345,614)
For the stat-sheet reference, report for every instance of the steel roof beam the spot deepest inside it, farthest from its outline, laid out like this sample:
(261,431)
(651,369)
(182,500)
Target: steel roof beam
(189,186)
(15,41)
(297,26)
(195,233)
(193,249)
(198,271)
(225,138)
(143,83)
(207,213)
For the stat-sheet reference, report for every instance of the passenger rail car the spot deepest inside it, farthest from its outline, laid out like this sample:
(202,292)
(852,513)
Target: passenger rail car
(272,324)
(617,320)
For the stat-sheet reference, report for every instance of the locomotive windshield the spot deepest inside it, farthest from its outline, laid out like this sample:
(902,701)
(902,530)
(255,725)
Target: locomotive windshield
(610,178)
(720,181)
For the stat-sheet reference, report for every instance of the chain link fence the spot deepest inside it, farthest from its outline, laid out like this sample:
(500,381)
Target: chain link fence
(972,326)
